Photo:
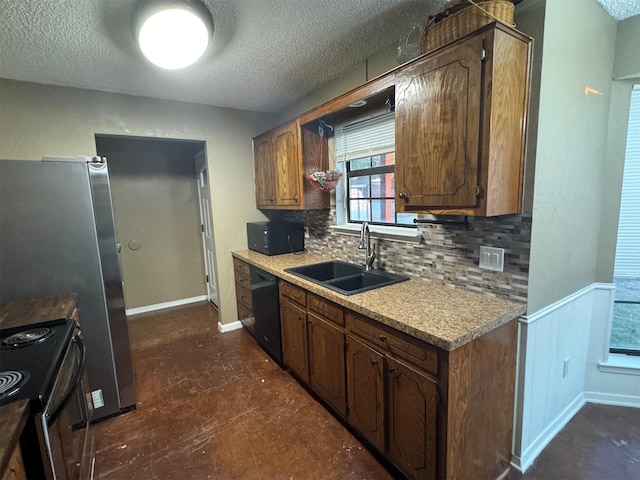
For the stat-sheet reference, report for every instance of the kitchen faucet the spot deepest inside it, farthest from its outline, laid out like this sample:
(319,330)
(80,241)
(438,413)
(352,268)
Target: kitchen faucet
(365,244)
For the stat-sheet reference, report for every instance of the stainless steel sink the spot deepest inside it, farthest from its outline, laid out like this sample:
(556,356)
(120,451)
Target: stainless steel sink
(345,278)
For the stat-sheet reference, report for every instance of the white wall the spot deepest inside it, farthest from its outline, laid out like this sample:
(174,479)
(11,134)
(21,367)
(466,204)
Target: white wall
(38,120)
(576,201)
(571,146)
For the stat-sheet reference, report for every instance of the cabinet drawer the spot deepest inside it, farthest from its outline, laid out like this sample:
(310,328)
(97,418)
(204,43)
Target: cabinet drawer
(293,293)
(420,354)
(243,312)
(325,309)
(243,296)
(242,273)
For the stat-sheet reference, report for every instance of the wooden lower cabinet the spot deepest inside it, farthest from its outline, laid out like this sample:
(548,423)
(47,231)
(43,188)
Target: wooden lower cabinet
(411,420)
(326,362)
(293,324)
(365,389)
(432,413)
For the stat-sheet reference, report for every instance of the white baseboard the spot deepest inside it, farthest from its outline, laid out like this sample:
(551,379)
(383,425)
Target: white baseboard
(228,327)
(531,453)
(161,306)
(611,399)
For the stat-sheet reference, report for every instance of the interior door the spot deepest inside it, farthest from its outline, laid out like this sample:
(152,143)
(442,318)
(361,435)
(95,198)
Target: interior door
(207,228)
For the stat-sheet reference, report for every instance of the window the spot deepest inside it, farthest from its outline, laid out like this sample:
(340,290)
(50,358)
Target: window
(625,330)
(365,152)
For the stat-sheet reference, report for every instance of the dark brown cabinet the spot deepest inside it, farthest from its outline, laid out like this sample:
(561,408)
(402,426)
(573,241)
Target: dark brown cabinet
(326,362)
(264,166)
(430,412)
(242,274)
(365,387)
(281,158)
(277,168)
(437,129)
(293,322)
(411,420)
(460,126)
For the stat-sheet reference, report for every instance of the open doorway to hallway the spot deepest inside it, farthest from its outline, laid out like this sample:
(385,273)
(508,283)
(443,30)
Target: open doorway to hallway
(156,206)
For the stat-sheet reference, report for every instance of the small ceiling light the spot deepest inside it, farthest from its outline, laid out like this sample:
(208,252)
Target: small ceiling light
(172,34)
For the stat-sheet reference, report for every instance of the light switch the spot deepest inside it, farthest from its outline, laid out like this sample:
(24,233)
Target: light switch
(492,258)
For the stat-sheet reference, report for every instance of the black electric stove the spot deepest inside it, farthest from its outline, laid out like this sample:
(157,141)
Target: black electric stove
(30,357)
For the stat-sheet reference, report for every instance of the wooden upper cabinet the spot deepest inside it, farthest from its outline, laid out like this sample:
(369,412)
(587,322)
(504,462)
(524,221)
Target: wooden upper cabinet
(287,163)
(263,163)
(460,126)
(281,158)
(437,129)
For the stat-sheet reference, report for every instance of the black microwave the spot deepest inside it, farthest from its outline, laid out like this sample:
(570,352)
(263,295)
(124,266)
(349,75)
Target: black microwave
(275,237)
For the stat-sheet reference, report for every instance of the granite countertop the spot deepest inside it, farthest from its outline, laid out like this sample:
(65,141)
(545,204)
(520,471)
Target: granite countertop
(13,416)
(445,316)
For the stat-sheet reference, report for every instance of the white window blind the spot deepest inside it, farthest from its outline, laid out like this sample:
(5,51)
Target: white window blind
(627,263)
(367,137)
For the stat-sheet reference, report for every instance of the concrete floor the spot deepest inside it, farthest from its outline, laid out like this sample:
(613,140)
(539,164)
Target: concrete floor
(215,406)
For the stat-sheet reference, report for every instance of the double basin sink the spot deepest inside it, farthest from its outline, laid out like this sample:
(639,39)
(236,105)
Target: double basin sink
(345,278)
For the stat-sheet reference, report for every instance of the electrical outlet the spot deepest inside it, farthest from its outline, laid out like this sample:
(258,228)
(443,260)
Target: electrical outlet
(565,367)
(98,400)
(492,258)
(306,232)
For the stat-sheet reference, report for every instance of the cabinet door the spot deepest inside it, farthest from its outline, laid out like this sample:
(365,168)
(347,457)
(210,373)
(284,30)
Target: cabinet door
(287,162)
(438,130)
(365,391)
(264,165)
(411,420)
(293,323)
(326,362)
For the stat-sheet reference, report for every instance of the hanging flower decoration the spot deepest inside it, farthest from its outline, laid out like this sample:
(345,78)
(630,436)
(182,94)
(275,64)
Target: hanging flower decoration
(323,180)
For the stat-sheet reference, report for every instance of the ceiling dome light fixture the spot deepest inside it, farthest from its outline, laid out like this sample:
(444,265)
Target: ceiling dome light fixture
(172,34)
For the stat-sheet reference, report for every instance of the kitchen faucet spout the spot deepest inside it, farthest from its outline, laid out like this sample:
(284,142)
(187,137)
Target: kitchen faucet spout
(365,244)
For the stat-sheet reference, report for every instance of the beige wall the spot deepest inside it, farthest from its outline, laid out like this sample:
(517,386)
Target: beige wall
(37,120)
(157,217)
(571,148)
(627,59)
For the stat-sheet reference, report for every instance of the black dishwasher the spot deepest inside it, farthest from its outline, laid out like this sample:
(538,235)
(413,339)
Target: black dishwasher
(266,310)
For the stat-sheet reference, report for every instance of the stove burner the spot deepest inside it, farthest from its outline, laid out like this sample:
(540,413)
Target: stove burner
(11,381)
(27,337)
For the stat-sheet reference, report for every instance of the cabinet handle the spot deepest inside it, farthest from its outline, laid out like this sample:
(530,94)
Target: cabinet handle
(374,361)
(402,195)
(383,338)
(391,369)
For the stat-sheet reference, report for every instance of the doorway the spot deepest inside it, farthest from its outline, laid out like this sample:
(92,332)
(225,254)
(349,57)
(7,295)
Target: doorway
(156,204)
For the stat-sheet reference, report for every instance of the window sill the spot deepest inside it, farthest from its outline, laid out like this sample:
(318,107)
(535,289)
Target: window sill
(620,363)
(396,234)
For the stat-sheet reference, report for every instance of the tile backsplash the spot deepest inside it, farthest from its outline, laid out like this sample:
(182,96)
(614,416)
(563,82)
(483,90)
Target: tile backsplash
(447,254)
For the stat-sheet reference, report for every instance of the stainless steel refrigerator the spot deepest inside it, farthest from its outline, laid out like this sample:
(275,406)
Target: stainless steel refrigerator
(57,236)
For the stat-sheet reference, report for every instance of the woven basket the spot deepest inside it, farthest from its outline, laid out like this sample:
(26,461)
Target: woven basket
(459,17)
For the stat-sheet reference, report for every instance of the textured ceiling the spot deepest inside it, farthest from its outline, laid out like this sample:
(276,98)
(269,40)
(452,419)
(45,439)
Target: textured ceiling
(265,54)
(621,9)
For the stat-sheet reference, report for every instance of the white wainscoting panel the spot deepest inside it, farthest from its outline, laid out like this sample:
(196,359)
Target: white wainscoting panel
(546,398)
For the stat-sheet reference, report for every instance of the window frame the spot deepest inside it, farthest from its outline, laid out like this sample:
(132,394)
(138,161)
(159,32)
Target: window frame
(396,231)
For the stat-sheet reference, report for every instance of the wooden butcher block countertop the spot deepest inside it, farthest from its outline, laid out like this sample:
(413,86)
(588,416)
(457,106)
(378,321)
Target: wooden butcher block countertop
(13,416)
